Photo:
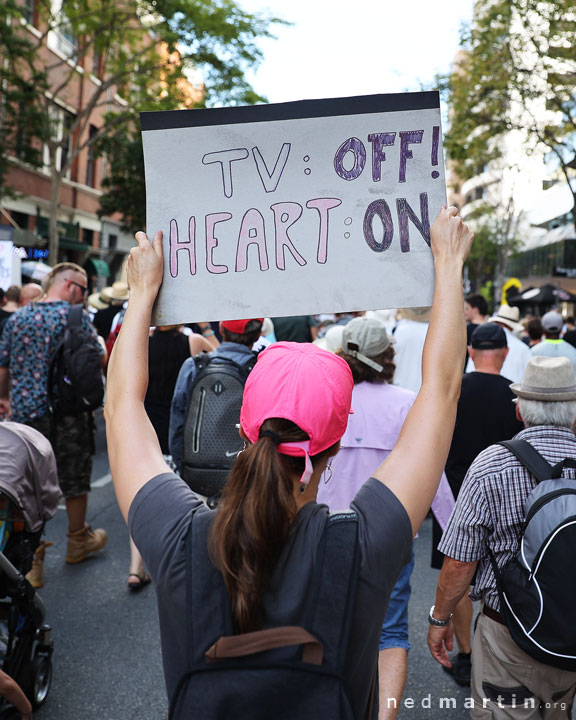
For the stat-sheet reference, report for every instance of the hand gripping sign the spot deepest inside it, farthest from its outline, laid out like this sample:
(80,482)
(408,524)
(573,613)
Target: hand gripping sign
(294,208)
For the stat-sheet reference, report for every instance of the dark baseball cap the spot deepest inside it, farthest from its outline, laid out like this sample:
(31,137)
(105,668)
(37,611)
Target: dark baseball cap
(489,336)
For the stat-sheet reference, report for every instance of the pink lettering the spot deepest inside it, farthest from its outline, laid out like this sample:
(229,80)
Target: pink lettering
(252,232)
(188,245)
(285,215)
(323,205)
(212,242)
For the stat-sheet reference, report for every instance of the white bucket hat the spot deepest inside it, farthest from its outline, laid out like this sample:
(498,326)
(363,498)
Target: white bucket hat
(508,316)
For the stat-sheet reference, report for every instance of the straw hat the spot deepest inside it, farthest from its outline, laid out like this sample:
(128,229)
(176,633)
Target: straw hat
(508,316)
(548,379)
(117,291)
(98,300)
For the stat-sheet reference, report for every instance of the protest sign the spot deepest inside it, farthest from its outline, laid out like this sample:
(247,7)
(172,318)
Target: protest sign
(6,263)
(295,208)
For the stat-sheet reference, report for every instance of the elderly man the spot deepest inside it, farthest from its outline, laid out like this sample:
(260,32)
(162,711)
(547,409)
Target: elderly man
(28,344)
(485,416)
(507,683)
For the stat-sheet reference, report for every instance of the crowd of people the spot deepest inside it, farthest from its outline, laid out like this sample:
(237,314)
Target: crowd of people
(433,392)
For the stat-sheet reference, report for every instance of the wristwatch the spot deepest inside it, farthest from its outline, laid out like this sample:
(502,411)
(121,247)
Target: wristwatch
(434,621)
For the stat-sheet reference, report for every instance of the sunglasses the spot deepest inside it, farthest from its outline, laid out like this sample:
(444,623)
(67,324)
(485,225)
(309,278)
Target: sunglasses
(82,287)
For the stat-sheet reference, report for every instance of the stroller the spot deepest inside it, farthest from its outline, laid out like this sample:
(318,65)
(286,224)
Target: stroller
(29,495)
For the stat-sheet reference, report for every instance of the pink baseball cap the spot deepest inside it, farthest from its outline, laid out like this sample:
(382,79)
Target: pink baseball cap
(302,383)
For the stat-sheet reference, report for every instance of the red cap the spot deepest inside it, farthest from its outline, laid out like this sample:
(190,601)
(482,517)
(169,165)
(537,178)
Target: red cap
(302,383)
(239,326)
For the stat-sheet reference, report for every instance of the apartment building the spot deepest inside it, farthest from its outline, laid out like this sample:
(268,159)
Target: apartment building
(527,194)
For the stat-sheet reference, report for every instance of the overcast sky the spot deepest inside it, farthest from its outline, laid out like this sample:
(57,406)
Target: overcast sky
(358,47)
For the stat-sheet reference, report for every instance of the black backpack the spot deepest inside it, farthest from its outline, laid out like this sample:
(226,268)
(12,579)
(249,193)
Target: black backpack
(537,587)
(285,673)
(211,439)
(75,383)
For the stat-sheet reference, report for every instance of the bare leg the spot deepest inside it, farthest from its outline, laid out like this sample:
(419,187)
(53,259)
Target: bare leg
(136,565)
(462,620)
(138,577)
(76,509)
(392,672)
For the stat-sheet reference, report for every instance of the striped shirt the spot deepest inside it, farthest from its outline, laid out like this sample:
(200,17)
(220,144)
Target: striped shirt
(490,508)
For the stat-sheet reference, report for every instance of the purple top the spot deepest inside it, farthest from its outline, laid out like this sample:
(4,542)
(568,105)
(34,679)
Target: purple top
(373,428)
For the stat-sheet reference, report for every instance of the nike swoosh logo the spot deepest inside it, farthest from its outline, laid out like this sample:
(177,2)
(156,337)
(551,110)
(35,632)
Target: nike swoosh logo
(232,454)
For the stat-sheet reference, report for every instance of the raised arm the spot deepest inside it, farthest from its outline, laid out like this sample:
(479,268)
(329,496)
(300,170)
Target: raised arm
(133,448)
(413,469)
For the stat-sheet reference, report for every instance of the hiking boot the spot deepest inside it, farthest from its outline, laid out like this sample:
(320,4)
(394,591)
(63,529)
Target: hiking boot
(84,541)
(35,576)
(461,669)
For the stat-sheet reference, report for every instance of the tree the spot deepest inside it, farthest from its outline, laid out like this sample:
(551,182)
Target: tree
(516,73)
(124,185)
(140,52)
(22,126)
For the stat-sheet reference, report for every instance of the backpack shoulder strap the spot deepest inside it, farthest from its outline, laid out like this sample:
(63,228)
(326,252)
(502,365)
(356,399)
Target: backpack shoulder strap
(210,615)
(75,315)
(530,458)
(337,581)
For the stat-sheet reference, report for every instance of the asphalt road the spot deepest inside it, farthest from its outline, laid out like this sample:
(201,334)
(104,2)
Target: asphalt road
(107,662)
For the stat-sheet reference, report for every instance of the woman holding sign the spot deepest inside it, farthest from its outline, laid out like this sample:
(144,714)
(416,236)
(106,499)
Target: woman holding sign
(268,606)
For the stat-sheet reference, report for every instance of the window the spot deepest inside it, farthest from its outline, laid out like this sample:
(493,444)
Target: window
(29,11)
(66,137)
(63,38)
(479,193)
(91,159)
(112,242)
(87,236)
(61,122)
(96,63)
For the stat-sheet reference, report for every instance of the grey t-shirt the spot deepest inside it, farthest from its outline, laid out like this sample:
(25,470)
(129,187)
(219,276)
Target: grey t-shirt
(160,517)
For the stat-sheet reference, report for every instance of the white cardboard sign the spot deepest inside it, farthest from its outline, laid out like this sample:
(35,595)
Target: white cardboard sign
(296,208)
(6,263)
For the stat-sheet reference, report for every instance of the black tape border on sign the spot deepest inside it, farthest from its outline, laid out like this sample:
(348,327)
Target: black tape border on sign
(361,105)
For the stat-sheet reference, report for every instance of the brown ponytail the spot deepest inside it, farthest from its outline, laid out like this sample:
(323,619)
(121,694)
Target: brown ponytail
(253,521)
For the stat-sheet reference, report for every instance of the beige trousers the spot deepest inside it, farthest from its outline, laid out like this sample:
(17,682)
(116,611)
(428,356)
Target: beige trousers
(507,684)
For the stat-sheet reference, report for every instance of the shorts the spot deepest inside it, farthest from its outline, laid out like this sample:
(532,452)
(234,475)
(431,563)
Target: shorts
(394,633)
(72,439)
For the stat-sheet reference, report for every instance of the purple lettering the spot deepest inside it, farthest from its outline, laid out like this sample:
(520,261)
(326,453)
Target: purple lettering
(379,140)
(189,246)
(410,137)
(323,206)
(435,143)
(356,147)
(270,180)
(225,158)
(252,232)
(212,242)
(378,208)
(285,215)
(406,213)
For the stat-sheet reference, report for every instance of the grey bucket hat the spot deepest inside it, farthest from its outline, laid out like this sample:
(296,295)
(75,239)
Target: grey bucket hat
(548,379)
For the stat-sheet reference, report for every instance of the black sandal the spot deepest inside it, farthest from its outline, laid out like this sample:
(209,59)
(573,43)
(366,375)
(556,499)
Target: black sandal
(143,580)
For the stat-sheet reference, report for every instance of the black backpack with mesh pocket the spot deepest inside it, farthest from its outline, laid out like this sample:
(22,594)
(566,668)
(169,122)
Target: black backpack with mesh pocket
(211,439)
(537,587)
